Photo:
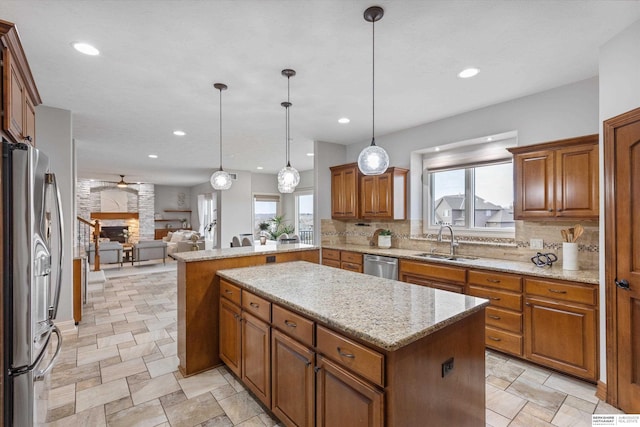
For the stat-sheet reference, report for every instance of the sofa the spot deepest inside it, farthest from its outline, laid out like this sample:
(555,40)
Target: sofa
(110,252)
(150,249)
(185,236)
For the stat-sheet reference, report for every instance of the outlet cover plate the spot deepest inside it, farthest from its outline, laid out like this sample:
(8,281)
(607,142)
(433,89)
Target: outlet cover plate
(536,243)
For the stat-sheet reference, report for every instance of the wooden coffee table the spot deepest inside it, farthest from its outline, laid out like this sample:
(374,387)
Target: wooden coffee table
(127,253)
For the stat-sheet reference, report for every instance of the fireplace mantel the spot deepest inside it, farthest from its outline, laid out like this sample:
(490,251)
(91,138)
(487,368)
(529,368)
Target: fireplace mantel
(114,215)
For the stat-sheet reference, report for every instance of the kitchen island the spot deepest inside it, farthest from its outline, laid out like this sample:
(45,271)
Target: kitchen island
(198,291)
(375,351)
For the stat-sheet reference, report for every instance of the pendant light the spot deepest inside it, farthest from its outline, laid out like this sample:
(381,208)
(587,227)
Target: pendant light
(220,180)
(373,160)
(288,177)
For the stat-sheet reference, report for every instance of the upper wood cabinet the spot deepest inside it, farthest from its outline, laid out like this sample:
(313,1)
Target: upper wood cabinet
(345,180)
(354,195)
(19,92)
(557,179)
(384,196)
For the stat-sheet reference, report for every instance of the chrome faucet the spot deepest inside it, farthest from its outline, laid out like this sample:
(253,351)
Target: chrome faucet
(454,244)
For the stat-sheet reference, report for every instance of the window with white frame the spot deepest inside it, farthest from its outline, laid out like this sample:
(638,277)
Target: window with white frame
(469,186)
(304,216)
(265,207)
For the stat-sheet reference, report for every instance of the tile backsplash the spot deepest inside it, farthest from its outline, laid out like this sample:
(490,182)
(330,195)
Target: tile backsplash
(409,235)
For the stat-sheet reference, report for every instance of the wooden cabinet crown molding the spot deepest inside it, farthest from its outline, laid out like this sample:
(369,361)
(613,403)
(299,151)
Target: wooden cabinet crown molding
(557,144)
(10,40)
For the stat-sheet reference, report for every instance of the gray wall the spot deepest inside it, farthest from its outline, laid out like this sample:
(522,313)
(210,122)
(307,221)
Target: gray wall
(619,93)
(327,154)
(166,197)
(53,133)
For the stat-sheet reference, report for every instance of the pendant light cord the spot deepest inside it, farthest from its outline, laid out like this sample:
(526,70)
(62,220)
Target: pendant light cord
(373,84)
(287,132)
(220,90)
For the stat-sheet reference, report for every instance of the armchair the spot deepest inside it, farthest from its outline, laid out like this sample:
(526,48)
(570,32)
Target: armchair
(110,252)
(150,249)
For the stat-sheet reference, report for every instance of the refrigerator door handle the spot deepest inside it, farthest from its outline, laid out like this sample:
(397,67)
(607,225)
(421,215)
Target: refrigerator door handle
(53,309)
(39,375)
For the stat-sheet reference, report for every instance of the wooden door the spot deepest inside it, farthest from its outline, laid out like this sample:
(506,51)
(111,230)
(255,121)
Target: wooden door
(29,121)
(292,381)
(256,360)
(577,182)
(342,399)
(230,336)
(14,99)
(368,196)
(622,253)
(350,192)
(384,195)
(344,191)
(534,184)
(337,194)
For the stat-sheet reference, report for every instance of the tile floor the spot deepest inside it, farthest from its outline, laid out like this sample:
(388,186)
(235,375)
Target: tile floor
(119,368)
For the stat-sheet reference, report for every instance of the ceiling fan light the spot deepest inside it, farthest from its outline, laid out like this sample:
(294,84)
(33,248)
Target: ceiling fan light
(221,180)
(121,185)
(373,160)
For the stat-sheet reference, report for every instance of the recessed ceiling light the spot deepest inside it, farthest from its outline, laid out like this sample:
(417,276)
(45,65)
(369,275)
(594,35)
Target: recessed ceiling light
(179,132)
(310,154)
(259,168)
(153,156)
(343,120)
(489,139)
(468,72)
(437,149)
(85,48)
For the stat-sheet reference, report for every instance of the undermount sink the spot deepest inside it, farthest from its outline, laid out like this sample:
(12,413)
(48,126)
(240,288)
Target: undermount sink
(447,257)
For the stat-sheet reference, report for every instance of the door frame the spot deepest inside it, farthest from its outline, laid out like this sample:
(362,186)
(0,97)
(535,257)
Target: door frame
(611,258)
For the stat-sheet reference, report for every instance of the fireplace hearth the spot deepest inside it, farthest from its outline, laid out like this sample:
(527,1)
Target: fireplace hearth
(114,233)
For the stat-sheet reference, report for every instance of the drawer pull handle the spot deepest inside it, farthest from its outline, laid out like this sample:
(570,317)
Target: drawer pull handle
(226,291)
(494,317)
(493,280)
(290,324)
(495,298)
(494,338)
(555,291)
(343,354)
(254,305)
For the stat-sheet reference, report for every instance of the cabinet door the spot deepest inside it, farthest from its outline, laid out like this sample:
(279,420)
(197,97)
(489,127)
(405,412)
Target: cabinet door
(342,399)
(425,281)
(368,197)
(561,336)
(292,380)
(337,194)
(344,192)
(534,177)
(384,195)
(256,357)
(29,122)
(230,336)
(14,98)
(577,182)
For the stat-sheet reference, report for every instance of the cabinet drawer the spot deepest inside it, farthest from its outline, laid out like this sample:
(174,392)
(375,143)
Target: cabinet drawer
(433,271)
(356,357)
(497,298)
(230,292)
(351,267)
(583,294)
(293,325)
(495,280)
(257,306)
(331,262)
(333,254)
(503,341)
(351,257)
(504,319)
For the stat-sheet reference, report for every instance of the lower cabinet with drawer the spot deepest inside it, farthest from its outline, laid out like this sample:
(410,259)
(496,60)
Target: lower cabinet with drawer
(561,326)
(443,277)
(503,318)
(346,260)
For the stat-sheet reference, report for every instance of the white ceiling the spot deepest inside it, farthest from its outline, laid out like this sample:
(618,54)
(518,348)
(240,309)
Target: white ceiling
(159,60)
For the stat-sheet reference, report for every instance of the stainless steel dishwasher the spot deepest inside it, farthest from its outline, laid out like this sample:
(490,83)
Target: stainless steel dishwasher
(381,266)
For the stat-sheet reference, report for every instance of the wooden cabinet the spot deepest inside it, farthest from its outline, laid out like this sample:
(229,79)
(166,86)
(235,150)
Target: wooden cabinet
(20,95)
(384,196)
(230,336)
(292,381)
(561,326)
(346,260)
(342,399)
(503,318)
(557,179)
(256,357)
(345,181)
(436,276)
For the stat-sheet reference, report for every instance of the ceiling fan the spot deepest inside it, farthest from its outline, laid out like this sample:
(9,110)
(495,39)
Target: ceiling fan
(122,183)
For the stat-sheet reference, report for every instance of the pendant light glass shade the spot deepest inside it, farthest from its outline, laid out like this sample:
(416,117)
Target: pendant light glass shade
(220,180)
(288,177)
(373,160)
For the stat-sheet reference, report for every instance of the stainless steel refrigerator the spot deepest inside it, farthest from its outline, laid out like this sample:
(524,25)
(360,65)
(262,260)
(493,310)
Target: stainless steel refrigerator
(32,223)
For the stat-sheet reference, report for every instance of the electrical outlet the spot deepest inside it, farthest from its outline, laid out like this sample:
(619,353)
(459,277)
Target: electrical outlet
(536,243)
(447,367)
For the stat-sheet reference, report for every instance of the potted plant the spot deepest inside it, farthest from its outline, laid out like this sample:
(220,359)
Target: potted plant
(384,239)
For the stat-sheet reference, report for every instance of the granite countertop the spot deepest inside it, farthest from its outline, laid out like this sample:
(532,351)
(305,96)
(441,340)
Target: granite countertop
(528,268)
(242,251)
(385,313)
